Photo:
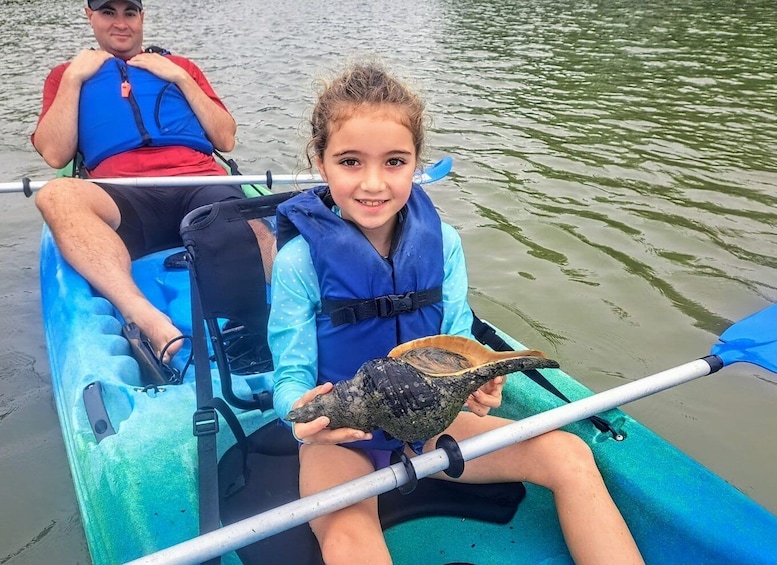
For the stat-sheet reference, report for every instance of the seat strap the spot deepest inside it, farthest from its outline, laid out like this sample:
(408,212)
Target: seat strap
(205,421)
(241,441)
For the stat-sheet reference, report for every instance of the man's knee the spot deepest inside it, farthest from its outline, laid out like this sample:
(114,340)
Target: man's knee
(576,450)
(46,197)
(66,197)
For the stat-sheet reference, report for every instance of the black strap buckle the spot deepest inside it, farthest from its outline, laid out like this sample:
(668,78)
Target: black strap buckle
(395,304)
(205,422)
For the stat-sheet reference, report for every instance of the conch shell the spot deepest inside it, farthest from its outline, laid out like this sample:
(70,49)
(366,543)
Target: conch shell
(417,391)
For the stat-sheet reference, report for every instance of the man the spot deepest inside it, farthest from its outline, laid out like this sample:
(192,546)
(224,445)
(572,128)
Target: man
(128,113)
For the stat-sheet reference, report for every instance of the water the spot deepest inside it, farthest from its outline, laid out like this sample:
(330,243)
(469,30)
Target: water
(614,189)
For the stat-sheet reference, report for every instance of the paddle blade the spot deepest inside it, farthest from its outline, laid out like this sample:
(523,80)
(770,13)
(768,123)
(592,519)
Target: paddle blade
(435,172)
(752,340)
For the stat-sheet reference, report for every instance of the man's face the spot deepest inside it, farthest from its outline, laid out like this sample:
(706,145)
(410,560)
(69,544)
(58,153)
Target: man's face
(118,28)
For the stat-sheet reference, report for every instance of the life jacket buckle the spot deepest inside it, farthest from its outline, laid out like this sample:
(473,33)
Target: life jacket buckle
(394,304)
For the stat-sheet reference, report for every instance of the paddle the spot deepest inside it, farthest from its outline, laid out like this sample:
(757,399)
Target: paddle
(432,173)
(752,340)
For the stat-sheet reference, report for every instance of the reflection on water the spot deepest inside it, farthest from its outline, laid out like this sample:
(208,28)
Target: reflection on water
(614,177)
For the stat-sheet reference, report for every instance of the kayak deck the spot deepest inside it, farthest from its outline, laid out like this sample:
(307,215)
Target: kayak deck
(137,488)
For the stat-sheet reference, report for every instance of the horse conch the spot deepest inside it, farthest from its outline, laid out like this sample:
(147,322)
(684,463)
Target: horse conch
(417,391)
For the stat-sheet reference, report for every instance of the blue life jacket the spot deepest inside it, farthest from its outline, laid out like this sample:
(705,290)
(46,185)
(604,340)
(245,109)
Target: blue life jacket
(370,304)
(154,113)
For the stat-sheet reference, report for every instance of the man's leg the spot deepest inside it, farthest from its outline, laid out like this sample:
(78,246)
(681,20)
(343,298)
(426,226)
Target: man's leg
(83,219)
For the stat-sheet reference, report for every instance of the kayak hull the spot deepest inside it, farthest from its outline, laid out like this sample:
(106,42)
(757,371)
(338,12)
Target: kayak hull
(137,488)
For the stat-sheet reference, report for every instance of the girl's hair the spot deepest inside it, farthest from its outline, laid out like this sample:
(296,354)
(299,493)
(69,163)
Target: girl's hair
(363,86)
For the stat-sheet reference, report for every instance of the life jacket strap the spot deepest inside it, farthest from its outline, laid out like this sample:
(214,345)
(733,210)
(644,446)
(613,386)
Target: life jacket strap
(352,311)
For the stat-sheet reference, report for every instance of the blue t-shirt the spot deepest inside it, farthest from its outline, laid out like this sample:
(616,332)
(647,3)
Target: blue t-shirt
(296,301)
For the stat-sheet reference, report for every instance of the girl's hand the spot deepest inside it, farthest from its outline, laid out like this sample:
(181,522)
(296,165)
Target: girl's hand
(316,431)
(486,397)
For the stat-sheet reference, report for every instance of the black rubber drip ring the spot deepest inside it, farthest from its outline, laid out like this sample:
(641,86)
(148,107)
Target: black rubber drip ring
(455,459)
(408,487)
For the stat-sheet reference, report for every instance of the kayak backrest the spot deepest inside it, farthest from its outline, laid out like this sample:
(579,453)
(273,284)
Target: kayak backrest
(229,274)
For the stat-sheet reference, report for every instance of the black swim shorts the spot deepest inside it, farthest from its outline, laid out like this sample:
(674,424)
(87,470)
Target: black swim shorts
(151,216)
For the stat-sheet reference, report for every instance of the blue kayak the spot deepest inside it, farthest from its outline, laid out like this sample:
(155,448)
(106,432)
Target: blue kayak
(133,456)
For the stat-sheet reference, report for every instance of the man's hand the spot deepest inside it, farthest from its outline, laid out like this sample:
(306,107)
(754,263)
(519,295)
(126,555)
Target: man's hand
(86,64)
(160,66)
(218,124)
(56,137)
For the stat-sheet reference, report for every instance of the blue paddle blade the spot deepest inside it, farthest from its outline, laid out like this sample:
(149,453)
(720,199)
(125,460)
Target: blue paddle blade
(435,172)
(752,340)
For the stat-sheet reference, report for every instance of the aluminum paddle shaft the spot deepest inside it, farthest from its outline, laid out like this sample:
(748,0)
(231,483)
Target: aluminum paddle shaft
(178,181)
(432,173)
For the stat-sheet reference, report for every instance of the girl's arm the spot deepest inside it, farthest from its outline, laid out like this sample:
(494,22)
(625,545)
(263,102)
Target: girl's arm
(457,315)
(291,328)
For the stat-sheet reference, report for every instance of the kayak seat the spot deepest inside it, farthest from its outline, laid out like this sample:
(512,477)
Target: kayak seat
(270,477)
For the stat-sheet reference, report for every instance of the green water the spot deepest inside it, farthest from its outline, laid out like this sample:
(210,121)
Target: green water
(614,186)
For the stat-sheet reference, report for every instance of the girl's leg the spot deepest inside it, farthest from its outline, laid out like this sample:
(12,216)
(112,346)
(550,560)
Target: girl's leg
(593,527)
(353,534)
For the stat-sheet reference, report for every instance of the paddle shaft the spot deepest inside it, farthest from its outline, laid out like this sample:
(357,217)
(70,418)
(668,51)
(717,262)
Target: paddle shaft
(432,173)
(287,516)
(179,181)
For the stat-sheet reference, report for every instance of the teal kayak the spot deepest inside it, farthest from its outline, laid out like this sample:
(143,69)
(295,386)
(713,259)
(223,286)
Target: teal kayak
(133,456)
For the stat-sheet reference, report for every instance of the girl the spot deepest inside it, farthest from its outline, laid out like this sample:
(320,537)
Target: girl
(347,250)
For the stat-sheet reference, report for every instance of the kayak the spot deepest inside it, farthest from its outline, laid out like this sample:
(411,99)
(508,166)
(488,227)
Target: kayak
(133,455)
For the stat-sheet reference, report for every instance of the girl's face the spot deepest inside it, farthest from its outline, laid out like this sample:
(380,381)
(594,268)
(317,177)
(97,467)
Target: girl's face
(368,163)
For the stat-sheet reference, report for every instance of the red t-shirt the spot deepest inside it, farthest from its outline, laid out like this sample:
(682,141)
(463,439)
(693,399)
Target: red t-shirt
(147,161)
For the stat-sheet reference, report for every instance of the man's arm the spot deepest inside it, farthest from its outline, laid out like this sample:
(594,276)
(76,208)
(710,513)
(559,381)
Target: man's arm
(218,123)
(56,136)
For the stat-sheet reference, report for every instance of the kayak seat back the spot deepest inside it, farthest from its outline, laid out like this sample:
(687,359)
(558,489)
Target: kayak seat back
(229,274)
(268,476)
